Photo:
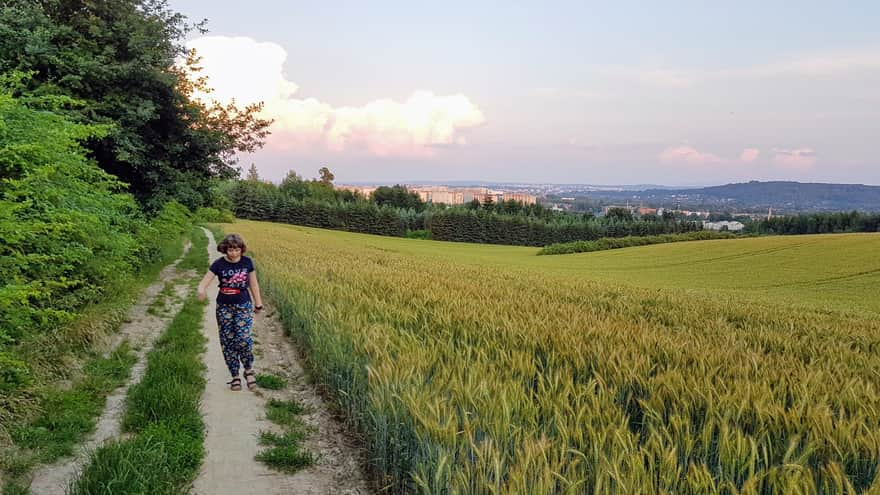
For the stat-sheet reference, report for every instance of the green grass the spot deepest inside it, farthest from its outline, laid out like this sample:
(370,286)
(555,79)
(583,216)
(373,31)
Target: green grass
(284,412)
(13,487)
(160,304)
(195,258)
(284,452)
(271,382)
(57,356)
(69,415)
(217,230)
(163,412)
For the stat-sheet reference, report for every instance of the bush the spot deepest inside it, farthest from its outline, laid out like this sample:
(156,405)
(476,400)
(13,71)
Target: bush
(13,373)
(69,231)
(606,243)
(418,234)
(213,215)
(67,228)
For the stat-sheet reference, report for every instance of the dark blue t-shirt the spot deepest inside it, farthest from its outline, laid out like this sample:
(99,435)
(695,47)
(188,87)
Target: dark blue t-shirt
(234,280)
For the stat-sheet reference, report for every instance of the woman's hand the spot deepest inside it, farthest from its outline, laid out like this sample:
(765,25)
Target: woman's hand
(200,292)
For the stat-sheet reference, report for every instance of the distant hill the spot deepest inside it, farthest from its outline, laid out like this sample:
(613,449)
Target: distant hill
(780,195)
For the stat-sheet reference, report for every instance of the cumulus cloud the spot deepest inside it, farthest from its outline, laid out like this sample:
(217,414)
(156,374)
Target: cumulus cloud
(796,158)
(687,154)
(251,71)
(800,158)
(749,154)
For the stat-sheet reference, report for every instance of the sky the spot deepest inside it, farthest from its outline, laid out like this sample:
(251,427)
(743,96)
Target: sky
(670,93)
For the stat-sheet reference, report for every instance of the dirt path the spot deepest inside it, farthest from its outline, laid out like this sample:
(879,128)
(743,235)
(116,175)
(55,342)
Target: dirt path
(234,419)
(141,330)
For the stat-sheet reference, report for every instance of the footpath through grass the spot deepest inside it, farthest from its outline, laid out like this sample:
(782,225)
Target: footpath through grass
(162,412)
(48,418)
(68,415)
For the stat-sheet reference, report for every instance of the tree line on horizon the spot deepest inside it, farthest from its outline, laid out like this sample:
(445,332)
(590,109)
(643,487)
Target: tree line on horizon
(396,211)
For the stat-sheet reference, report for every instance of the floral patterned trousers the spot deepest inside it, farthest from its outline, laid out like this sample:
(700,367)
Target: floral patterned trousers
(234,322)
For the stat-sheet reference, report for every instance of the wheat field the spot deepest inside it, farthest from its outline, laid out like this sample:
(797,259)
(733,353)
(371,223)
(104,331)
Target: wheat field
(732,366)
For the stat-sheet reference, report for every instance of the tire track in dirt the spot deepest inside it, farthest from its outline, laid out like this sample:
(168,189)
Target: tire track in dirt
(141,329)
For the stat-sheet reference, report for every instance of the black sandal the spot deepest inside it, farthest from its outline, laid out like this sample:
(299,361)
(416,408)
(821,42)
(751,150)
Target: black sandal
(235,384)
(250,379)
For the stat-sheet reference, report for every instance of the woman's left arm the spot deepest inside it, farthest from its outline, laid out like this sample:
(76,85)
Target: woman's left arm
(255,289)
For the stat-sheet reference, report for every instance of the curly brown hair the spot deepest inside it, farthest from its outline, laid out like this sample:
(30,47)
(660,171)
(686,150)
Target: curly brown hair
(232,241)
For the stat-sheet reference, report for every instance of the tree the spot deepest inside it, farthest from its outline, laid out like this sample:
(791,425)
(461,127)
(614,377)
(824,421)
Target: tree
(620,214)
(252,173)
(326,177)
(120,59)
(488,202)
(293,186)
(398,197)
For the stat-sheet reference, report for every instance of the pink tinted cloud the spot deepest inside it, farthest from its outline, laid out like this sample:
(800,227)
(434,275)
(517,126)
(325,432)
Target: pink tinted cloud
(687,154)
(796,158)
(251,71)
(749,154)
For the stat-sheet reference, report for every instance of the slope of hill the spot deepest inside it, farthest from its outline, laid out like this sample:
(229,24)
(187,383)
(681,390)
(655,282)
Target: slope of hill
(787,196)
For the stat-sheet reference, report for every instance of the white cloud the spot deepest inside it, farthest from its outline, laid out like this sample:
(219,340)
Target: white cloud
(252,71)
(800,158)
(749,154)
(687,154)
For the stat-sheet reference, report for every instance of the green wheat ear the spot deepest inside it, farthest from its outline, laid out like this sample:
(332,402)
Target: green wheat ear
(486,369)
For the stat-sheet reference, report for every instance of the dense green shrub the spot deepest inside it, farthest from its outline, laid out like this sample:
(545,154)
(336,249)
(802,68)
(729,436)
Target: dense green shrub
(630,241)
(213,215)
(418,234)
(65,225)
(68,230)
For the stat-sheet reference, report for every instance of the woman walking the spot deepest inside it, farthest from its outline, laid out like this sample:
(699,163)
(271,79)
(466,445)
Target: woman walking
(235,307)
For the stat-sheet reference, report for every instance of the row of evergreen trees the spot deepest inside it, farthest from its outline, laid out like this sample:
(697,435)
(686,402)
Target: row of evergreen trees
(464,225)
(817,223)
(317,204)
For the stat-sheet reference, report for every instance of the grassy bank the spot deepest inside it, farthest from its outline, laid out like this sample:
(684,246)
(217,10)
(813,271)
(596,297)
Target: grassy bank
(520,374)
(162,412)
(68,378)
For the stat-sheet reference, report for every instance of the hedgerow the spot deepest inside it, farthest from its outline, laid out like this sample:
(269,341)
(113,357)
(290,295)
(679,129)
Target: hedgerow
(631,241)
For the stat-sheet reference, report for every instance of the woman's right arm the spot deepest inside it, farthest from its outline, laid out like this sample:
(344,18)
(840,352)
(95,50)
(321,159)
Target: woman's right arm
(203,285)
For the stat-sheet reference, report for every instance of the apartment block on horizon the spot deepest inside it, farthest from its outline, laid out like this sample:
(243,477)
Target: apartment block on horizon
(453,196)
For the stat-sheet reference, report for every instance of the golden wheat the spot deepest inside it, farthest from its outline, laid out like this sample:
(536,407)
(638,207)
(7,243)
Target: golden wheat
(470,379)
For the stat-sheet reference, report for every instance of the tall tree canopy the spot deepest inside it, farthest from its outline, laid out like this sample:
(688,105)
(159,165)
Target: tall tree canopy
(126,61)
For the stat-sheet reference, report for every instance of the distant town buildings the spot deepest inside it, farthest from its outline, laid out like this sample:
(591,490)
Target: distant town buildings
(731,226)
(366,191)
(455,196)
